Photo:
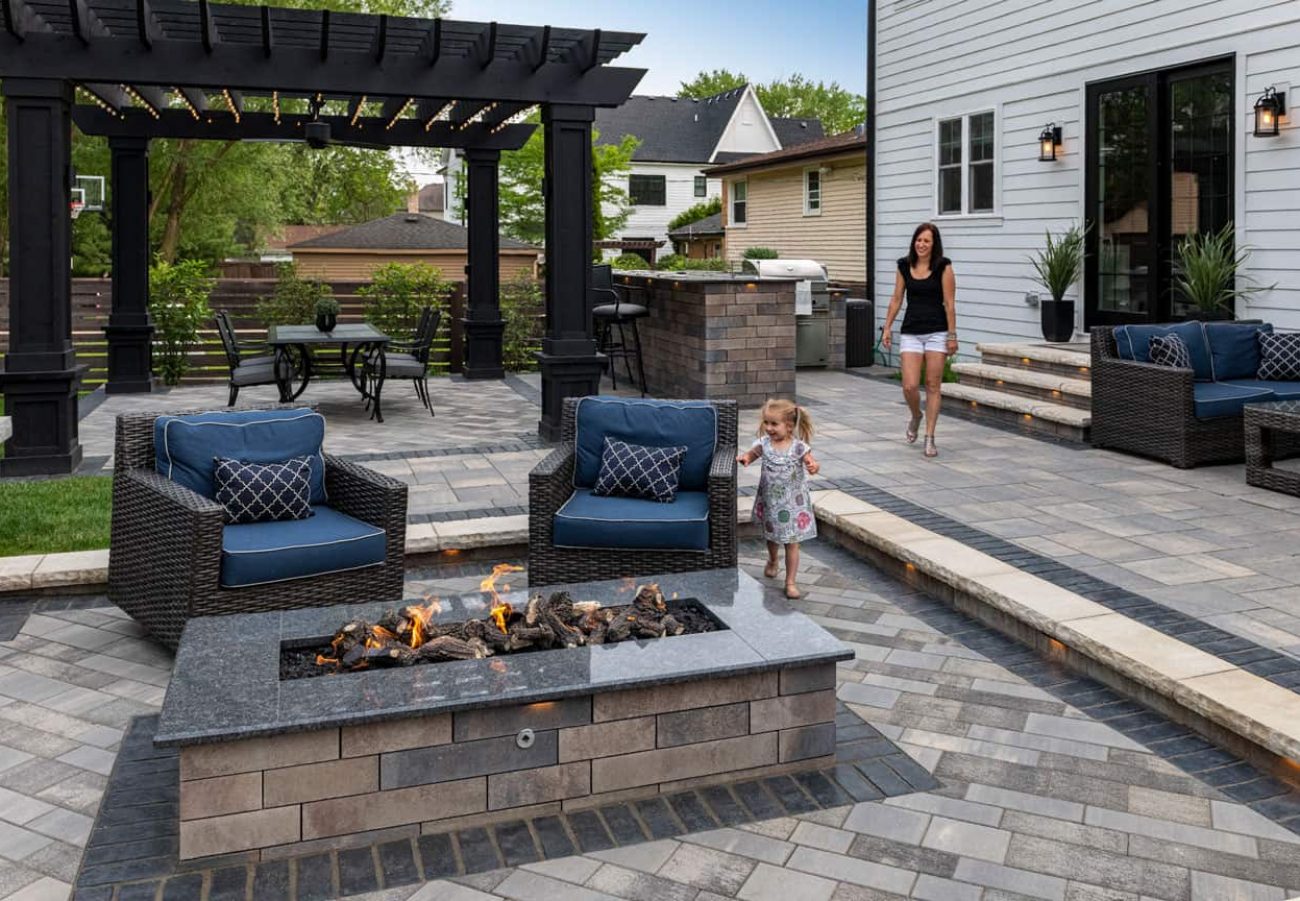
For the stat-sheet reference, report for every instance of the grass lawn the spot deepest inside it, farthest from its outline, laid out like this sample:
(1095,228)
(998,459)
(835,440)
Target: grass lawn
(54,515)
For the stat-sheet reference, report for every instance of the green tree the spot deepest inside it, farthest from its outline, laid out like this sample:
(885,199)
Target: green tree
(92,246)
(398,292)
(342,185)
(696,213)
(795,97)
(294,299)
(178,306)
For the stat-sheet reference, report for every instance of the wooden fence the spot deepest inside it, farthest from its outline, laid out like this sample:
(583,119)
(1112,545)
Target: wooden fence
(92,301)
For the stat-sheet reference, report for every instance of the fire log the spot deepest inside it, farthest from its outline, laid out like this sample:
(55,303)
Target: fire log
(444,647)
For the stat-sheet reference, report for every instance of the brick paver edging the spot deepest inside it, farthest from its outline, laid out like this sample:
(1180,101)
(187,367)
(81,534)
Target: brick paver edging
(133,845)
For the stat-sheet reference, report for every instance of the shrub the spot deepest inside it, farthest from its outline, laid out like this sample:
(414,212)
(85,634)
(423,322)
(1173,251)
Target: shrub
(671,261)
(696,213)
(760,253)
(398,292)
(294,299)
(327,306)
(717,264)
(630,261)
(523,308)
(178,304)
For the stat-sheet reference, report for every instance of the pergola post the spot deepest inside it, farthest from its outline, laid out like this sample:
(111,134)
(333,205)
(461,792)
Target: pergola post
(569,362)
(40,373)
(484,326)
(129,330)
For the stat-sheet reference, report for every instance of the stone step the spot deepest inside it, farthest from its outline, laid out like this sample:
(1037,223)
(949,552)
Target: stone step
(1070,360)
(1031,383)
(1031,415)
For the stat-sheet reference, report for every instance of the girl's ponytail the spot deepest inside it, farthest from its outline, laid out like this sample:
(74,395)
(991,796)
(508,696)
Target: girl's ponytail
(803,424)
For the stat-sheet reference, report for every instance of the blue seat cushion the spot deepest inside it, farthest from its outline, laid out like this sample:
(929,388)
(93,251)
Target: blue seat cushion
(1213,400)
(1132,342)
(330,541)
(588,521)
(1234,349)
(1279,390)
(185,446)
(653,423)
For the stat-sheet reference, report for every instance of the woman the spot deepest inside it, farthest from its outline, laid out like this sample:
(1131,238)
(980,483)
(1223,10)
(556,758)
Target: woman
(929,331)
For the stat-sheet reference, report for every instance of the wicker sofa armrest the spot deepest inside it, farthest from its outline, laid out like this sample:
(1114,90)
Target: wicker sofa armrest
(723,526)
(723,468)
(366,495)
(1130,383)
(164,493)
(550,484)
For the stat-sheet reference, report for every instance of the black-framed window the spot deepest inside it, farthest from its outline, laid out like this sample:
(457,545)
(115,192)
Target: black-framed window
(647,190)
(701,186)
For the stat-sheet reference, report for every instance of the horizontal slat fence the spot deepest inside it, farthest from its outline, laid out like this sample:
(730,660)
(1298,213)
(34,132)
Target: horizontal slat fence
(92,301)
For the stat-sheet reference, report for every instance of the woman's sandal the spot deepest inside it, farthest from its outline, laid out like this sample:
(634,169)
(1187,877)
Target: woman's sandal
(771,569)
(930,449)
(792,593)
(912,428)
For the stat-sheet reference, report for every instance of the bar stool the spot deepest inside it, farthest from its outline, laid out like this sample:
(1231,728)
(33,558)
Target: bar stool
(619,313)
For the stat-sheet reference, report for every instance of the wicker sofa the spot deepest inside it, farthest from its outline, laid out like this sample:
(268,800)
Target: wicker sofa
(171,550)
(1186,417)
(572,536)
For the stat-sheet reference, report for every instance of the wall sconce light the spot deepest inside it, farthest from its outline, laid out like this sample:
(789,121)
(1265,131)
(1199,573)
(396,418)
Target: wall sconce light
(1048,141)
(1269,108)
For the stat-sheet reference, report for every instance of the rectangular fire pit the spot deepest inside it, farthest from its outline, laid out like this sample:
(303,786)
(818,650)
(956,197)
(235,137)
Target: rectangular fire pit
(270,764)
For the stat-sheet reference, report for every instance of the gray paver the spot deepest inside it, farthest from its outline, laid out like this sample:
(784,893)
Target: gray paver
(967,839)
(769,883)
(888,822)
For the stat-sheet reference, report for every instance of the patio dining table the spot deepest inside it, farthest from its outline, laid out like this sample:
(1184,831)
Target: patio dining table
(361,350)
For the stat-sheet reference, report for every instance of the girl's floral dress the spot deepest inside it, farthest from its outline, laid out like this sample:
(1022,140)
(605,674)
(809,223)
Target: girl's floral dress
(783,504)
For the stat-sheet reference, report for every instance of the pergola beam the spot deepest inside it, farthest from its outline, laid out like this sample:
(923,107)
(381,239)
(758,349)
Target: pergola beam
(380,42)
(178,123)
(207,27)
(146,23)
(534,53)
(431,43)
(85,24)
(299,70)
(485,48)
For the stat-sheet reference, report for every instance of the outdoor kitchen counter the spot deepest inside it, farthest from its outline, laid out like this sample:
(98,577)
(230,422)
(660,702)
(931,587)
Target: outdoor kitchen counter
(226,679)
(715,335)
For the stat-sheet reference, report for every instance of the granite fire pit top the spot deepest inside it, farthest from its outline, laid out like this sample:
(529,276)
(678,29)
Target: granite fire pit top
(226,680)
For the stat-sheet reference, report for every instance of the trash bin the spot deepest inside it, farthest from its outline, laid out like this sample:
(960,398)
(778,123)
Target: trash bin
(859,332)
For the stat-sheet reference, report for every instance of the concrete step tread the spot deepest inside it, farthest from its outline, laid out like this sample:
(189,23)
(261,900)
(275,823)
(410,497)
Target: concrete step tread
(1047,381)
(1059,413)
(1061,354)
(1227,695)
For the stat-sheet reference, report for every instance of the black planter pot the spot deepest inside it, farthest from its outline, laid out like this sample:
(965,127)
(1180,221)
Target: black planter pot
(325,322)
(1195,315)
(1057,319)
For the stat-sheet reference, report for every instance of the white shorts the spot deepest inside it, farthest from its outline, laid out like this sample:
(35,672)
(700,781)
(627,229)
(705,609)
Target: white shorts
(936,342)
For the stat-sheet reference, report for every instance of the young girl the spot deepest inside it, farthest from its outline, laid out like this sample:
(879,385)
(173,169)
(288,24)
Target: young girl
(783,504)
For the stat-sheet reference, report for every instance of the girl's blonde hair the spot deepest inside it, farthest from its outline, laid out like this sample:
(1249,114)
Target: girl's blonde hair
(793,415)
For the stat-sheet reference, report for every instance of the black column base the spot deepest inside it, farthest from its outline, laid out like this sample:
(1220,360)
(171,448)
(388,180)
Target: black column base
(565,376)
(129,359)
(483,338)
(43,406)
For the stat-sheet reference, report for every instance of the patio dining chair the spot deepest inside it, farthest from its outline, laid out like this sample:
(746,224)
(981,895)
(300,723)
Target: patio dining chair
(245,371)
(610,310)
(408,359)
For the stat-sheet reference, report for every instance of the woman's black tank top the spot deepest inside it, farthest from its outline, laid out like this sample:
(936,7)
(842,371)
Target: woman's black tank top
(925,313)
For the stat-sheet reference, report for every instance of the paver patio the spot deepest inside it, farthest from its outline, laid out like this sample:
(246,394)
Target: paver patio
(1039,798)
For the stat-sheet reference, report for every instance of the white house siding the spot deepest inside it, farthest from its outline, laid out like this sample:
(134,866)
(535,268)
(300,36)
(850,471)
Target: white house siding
(1030,62)
(748,131)
(679,194)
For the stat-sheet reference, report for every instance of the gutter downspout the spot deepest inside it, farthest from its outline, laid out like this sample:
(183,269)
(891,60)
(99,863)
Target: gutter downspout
(871,156)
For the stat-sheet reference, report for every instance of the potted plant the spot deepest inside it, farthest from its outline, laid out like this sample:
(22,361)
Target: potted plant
(1207,272)
(1058,265)
(327,314)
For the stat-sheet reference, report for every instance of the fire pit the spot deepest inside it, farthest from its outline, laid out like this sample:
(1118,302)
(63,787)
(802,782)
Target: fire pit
(271,760)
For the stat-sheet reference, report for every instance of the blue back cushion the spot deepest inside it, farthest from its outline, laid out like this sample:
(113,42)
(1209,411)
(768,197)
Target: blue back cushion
(1234,349)
(656,423)
(184,446)
(1132,342)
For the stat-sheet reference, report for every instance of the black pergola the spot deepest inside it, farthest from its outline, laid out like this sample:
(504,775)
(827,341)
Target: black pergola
(134,70)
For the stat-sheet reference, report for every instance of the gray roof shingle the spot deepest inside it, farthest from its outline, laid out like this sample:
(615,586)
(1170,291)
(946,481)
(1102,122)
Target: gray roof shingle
(671,130)
(709,225)
(402,231)
(796,131)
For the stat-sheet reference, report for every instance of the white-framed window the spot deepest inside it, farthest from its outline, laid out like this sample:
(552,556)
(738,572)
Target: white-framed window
(966,165)
(701,186)
(739,202)
(812,192)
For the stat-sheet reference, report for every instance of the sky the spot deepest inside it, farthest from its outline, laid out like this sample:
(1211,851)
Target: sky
(823,40)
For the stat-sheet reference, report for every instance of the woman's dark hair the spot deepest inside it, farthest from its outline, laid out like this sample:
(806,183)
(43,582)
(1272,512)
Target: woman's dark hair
(936,252)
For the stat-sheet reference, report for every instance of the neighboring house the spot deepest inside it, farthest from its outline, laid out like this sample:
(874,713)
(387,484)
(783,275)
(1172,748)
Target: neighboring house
(1155,106)
(679,139)
(699,240)
(354,253)
(804,202)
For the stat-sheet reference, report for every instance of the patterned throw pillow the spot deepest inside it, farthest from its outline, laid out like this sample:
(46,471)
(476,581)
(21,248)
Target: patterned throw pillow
(633,470)
(1170,350)
(263,492)
(1279,356)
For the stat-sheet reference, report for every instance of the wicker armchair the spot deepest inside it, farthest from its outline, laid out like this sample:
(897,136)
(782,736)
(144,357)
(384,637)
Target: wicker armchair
(166,542)
(551,484)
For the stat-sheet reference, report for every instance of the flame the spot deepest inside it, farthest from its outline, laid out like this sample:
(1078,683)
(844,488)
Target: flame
(322,660)
(500,613)
(500,609)
(419,618)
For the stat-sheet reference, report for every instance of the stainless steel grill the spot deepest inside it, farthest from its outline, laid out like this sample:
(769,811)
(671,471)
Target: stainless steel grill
(812,305)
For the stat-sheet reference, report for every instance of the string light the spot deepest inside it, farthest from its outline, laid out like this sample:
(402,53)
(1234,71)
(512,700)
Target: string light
(188,105)
(99,101)
(139,98)
(440,116)
(361,103)
(275,105)
(230,104)
(516,119)
(399,113)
